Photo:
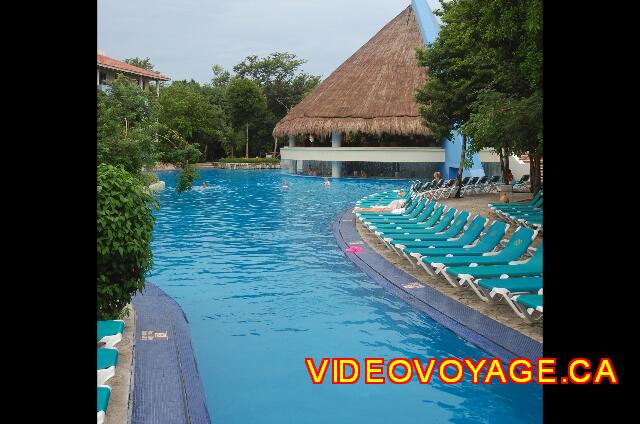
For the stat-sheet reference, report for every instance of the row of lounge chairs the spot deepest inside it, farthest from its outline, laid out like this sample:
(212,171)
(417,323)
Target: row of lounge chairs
(109,334)
(465,250)
(527,214)
(470,185)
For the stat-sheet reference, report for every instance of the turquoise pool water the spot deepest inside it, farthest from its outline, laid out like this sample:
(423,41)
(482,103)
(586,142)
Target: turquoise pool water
(259,275)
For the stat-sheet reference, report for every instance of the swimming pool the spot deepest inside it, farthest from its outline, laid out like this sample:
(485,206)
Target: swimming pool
(259,275)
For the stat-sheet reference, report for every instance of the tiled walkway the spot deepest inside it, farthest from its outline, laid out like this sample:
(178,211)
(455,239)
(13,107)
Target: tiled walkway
(166,386)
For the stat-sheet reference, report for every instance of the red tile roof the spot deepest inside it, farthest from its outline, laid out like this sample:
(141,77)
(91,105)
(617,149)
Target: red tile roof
(116,65)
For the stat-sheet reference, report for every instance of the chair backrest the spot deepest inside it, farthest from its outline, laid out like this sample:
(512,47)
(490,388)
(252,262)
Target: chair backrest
(517,244)
(445,220)
(419,201)
(538,203)
(474,229)
(482,180)
(474,180)
(458,224)
(465,180)
(492,236)
(524,178)
(536,259)
(436,215)
(495,179)
(431,204)
(415,212)
(536,198)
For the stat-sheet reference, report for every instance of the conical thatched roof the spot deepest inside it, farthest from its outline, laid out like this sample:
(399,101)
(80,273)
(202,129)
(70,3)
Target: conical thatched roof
(372,92)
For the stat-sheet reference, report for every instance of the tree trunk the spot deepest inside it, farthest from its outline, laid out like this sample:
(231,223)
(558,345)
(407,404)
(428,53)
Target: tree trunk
(205,151)
(534,171)
(247,155)
(461,167)
(275,146)
(504,164)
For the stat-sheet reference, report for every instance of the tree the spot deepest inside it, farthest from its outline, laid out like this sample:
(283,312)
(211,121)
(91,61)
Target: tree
(126,126)
(125,226)
(455,76)
(188,112)
(140,63)
(131,135)
(247,105)
(485,77)
(281,79)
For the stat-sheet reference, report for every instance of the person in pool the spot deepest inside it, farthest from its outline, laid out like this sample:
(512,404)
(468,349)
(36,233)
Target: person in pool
(204,185)
(285,185)
(327,183)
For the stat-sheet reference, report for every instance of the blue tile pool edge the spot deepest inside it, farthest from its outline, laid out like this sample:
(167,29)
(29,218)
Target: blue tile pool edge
(491,336)
(166,384)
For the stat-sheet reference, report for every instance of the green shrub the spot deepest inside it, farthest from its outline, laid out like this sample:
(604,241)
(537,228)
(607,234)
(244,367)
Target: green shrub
(249,160)
(125,225)
(147,178)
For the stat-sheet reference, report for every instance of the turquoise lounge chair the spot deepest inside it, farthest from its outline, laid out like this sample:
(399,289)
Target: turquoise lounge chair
(469,236)
(411,213)
(393,234)
(531,267)
(489,241)
(107,361)
(415,207)
(498,206)
(104,392)
(493,289)
(110,332)
(420,221)
(528,306)
(429,222)
(452,267)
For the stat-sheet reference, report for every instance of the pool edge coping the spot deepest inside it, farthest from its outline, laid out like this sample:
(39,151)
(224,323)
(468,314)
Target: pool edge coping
(484,332)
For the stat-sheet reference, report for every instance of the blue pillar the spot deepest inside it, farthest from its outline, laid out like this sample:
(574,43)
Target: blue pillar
(336,166)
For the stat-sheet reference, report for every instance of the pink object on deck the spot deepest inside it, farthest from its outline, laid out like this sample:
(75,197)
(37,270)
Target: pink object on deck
(354,249)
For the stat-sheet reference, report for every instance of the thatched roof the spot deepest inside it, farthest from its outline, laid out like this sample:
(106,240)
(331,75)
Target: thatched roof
(373,91)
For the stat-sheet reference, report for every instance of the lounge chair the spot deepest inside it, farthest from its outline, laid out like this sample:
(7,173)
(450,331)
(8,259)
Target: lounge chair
(469,236)
(523,183)
(110,332)
(429,222)
(532,202)
(420,229)
(528,306)
(411,211)
(393,222)
(492,184)
(455,267)
(472,183)
(104,392)
(531,267)
(493,289)
(453,230)
(479,185)
(107,361)
(393,234)
(489,241)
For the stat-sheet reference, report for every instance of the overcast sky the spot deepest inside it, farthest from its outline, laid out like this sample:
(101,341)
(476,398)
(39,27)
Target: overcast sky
(183,38)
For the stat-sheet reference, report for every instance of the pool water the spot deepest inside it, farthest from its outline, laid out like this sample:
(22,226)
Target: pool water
(263,283)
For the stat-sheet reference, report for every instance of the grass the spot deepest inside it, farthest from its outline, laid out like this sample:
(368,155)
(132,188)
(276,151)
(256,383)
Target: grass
(249,160)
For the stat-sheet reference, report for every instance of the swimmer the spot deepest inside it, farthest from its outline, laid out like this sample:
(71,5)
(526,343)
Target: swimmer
(204,185)
(285,185)
(327,183)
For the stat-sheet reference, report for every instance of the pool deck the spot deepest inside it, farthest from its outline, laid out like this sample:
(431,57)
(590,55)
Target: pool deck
(166,387)
(490,335)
